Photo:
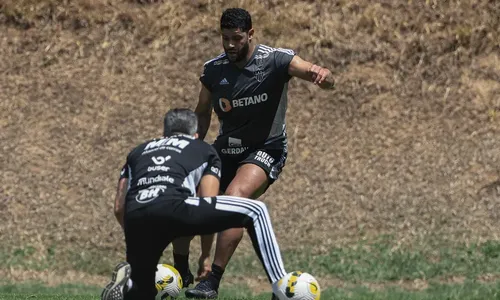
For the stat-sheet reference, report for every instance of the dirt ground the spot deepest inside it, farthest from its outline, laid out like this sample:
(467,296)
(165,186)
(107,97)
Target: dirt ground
(407,145)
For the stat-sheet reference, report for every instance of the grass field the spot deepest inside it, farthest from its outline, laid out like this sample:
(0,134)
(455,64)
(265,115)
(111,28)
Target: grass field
(364,271)
(470,290)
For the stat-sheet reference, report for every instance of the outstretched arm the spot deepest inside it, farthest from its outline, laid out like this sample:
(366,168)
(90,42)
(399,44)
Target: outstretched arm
(204,112)
(311,72)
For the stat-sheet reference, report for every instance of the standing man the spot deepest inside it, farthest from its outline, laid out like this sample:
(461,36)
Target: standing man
(161,205)
(247,88)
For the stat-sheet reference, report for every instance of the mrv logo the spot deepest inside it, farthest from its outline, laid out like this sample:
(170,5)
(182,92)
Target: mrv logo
(166,143)
(149,194)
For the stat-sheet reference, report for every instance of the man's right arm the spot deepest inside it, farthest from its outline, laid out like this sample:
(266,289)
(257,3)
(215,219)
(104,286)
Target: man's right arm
(121,193)
(204,112)
(209,187)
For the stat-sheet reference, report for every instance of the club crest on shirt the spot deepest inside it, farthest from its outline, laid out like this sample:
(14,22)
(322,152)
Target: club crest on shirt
(259,75)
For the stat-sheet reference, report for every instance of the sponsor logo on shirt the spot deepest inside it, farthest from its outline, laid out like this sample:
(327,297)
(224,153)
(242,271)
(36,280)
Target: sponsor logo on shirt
(149,194)
(227,105)
(215,170)
(151,180)
(224,82)
(264,158)
(235,147)
(160,160)
(172,143)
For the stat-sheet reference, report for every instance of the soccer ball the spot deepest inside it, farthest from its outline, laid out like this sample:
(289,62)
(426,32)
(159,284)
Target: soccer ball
(168,282)
(299,286)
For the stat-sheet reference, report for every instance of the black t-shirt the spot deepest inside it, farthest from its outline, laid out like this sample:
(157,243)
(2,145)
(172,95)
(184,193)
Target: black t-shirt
(250,102)
(167,169)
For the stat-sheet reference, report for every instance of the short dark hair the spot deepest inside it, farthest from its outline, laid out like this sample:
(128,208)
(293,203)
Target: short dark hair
(236,18)
(180,120)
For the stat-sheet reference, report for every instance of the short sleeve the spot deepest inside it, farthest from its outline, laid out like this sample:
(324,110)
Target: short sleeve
(282,59)
(124,173)
(214,163)
(205,78)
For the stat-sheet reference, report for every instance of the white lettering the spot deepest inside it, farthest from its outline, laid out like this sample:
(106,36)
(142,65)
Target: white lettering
(215,170)
(167,142)
(227,105)
(149,194)
(264,158)
(158,168)
(154,144)
(151,180)
(233,151)
(246,101)
(177,143)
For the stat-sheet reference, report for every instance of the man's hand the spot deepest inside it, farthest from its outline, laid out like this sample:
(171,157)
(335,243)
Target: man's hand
(318,74)
(204,267)
(311,72)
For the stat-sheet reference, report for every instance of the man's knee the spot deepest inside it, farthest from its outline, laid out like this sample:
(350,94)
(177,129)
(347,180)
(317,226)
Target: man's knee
(245,190)
(239,190)
(232,234)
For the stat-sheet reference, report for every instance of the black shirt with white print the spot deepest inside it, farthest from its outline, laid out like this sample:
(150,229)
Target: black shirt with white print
(250,102)
(169,168)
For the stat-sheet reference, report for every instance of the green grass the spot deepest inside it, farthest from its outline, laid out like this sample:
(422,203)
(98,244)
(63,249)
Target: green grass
(373,262)
(33,288)
(467,291)
(377,263)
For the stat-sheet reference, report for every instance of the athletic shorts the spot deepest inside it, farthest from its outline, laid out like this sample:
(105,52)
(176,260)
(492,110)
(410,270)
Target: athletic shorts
(270,157)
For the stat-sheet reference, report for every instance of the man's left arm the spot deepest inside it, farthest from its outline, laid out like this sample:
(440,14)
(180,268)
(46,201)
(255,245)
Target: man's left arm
(121,193)
(208,187)
(311,72)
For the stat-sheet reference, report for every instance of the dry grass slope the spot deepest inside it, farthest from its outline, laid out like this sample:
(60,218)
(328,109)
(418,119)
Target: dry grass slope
(407,145)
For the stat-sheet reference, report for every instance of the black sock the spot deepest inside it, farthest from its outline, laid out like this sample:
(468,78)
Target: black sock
(216,275)
(181,263)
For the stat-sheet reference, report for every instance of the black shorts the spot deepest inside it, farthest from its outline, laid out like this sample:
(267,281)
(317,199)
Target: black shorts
(270,157)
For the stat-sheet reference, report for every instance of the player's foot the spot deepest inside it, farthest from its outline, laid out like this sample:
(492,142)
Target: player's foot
(274,297)
(117,287)
(187,279)
(206,289)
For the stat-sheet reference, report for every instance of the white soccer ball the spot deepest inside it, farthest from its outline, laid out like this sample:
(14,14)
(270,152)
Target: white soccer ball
(168,282)
(298,286)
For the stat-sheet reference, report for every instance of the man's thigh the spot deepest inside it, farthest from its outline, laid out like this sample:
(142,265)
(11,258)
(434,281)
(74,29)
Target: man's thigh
(250,182)
(210,215)
(251,174)
(228,172)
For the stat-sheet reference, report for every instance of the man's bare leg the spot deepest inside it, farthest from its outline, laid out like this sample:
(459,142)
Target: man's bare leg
(250,182)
